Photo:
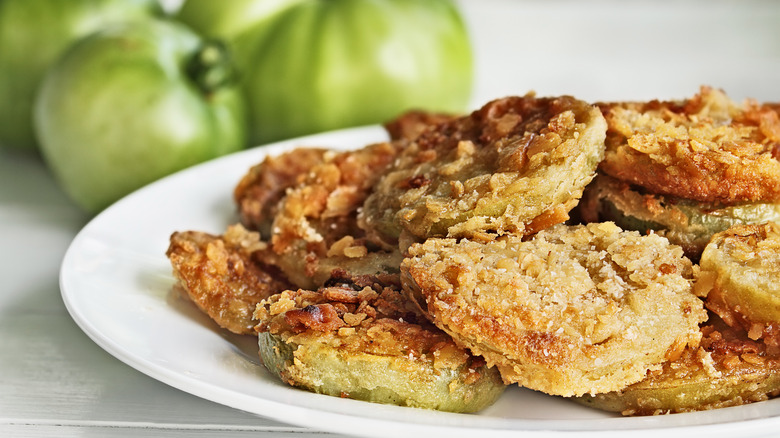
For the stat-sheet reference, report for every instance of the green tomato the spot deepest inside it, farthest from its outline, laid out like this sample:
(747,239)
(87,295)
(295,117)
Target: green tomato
(227,20)
(130,104)
(33,33)
(310,66)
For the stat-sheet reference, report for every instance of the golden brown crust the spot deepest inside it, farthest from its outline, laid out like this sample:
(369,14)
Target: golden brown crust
(610,199)
(689,224)
(409,125)
(354,304)
(495,170)
(726,369)
(706,148)
(740,277)
(224,275)
(263,186)
(574,310)
(315,229)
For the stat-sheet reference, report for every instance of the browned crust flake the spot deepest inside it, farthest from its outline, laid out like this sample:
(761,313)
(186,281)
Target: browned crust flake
(224,276)
(259,191)
(706,148)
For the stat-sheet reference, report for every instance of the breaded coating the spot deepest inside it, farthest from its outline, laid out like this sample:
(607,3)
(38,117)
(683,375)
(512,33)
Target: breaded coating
(727,369)
(315,229)
(516,165)
(689,224)
(574,310)
(706,148)
(225,276)
(740,276)
(259,191)
(360,337)
(409,125)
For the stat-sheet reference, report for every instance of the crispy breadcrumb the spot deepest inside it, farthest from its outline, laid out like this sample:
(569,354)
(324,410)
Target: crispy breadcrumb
(706,148)
(225,276)
(689,224)
(315,229)
(499,169)
(726,369)
(574,310)
(740,269)
(259,191)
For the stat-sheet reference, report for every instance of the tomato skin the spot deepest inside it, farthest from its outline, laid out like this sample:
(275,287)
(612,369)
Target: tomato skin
(311,66)
(123,107)
(33,33)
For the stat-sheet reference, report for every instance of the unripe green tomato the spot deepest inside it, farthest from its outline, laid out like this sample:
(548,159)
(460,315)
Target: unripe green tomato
(317,65)
(132,103)
(33,33)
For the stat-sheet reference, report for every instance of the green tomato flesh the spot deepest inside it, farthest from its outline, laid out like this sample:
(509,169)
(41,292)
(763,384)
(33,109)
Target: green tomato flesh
(117,112)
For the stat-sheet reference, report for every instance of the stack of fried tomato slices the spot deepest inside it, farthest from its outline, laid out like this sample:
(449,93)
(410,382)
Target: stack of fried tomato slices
(622,255)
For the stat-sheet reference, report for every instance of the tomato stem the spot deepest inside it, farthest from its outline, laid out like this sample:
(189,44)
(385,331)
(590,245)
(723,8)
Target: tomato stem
(211,66)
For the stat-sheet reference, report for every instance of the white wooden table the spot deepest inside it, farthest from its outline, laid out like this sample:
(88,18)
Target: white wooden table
(54,381)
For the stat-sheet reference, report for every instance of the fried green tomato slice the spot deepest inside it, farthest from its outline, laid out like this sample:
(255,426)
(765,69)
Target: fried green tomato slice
(315,227)
(516,165)
(706,148)
(225,276)
(686,223)
(727,369)
(259,191)
(740,276)
(361,338)
(574,310)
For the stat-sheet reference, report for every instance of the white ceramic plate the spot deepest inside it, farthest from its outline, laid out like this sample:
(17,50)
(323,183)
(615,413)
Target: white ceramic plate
(117,285)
